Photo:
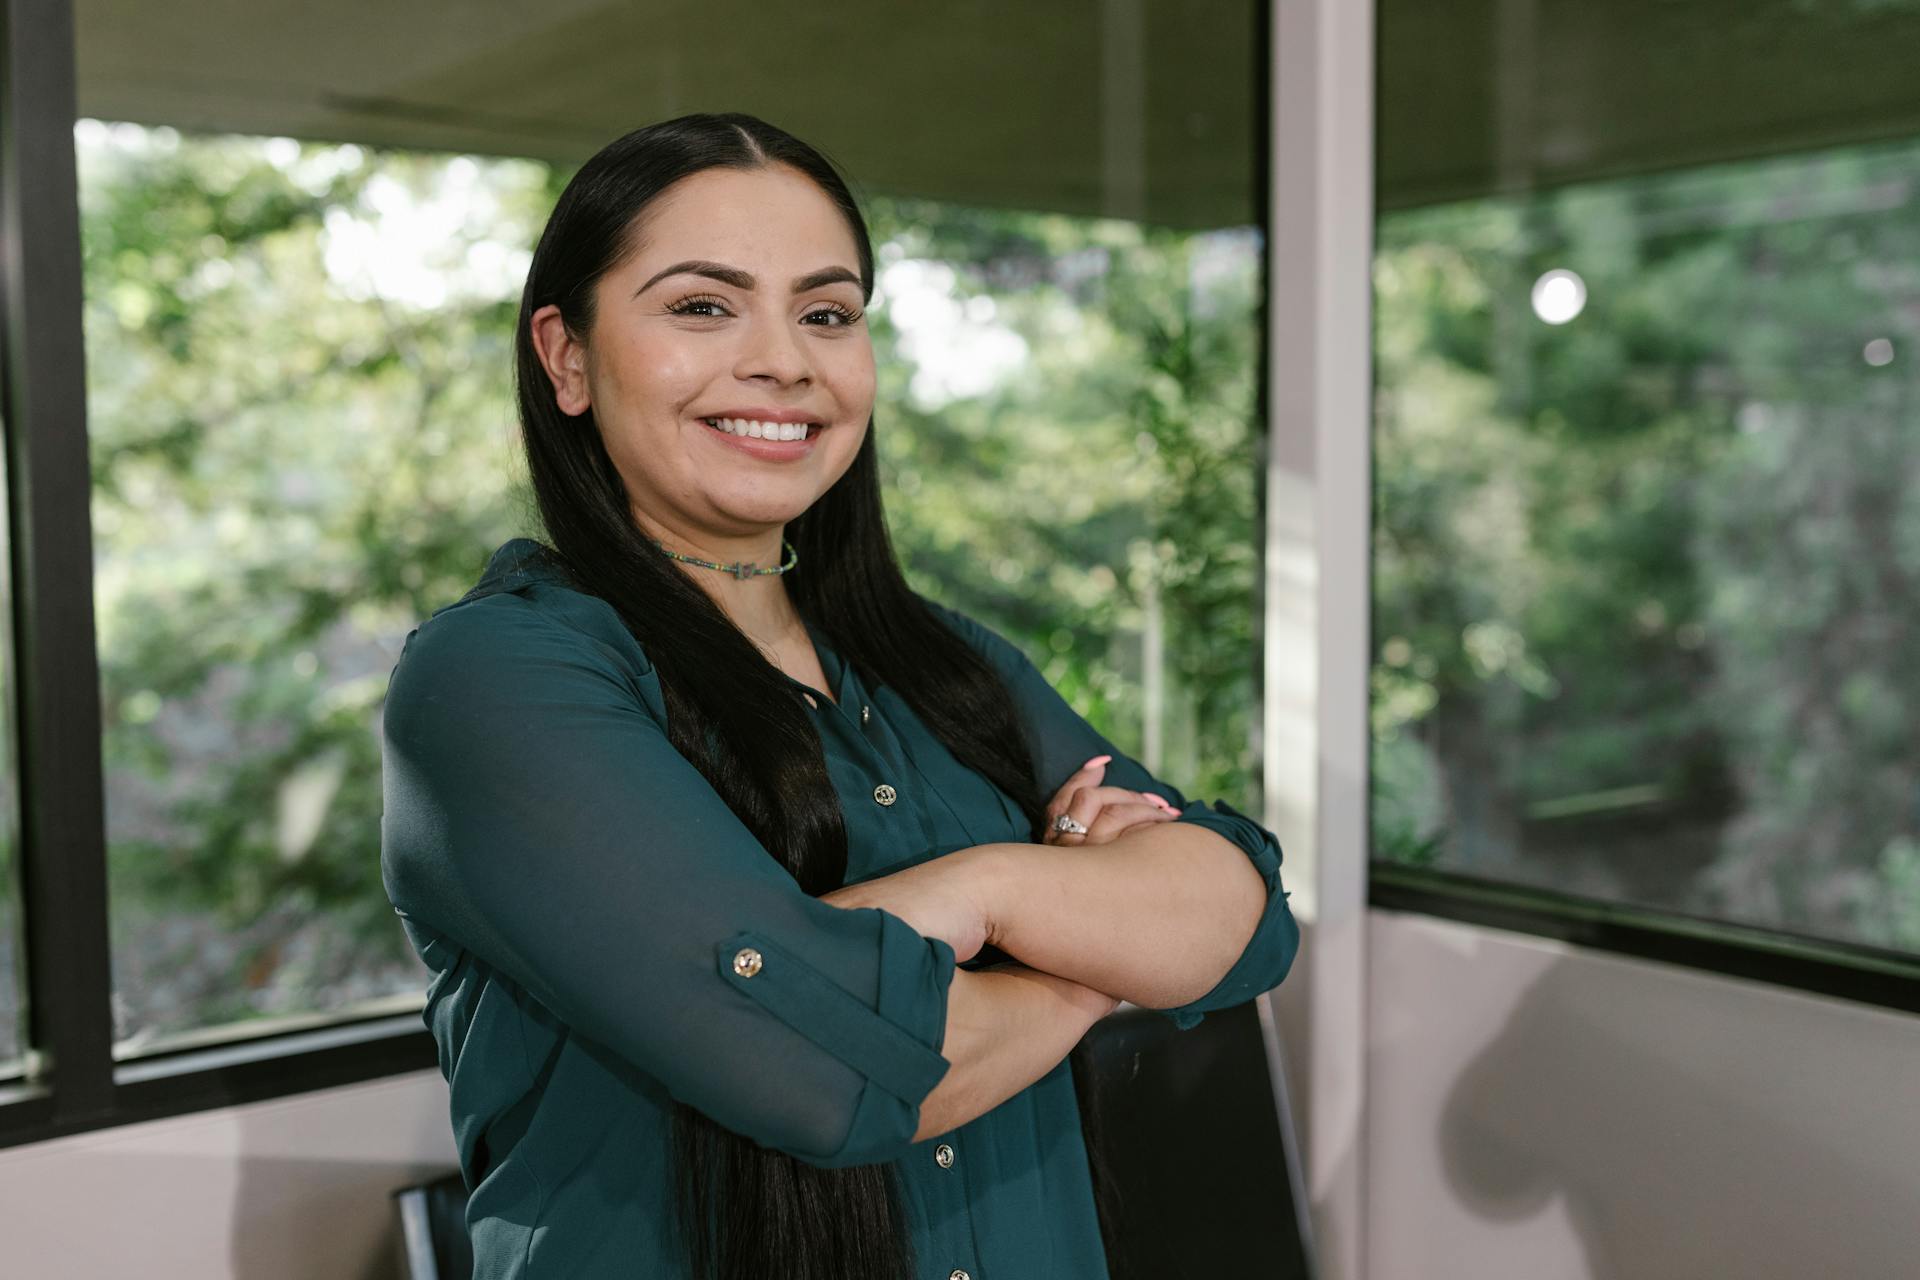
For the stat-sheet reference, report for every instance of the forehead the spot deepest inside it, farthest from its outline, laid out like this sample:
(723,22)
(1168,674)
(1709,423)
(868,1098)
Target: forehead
(732,215)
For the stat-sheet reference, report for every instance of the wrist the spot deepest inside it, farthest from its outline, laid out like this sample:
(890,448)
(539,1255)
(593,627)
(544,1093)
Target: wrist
(1091,1004)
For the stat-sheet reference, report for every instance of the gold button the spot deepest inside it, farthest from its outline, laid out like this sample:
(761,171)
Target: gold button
(746,962)
(943,1155)
(884,793)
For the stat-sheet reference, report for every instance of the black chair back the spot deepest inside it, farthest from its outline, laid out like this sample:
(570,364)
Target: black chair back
(1200,1147)
(433,1230)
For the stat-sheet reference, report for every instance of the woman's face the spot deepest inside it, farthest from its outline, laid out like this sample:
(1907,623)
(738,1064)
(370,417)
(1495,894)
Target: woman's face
(671,348)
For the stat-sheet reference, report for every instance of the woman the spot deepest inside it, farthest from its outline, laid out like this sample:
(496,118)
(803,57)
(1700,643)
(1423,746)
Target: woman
(765,898)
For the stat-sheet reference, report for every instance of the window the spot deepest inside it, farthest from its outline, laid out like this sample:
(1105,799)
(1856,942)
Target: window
(297,270)
(1647,555)
(298,359)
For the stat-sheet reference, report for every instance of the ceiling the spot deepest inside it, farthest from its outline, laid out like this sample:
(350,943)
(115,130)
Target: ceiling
(1479,96)
(1137,108)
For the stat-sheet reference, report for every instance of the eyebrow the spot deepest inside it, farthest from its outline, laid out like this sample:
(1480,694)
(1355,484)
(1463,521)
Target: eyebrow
(743,280)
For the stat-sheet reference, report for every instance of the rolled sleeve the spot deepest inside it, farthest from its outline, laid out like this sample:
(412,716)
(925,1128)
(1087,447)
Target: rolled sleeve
(1264,962)
(538,816)
(898,1051)
(1062,741)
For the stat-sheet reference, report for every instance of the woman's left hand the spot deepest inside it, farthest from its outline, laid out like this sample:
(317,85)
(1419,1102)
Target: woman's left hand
(1107,813)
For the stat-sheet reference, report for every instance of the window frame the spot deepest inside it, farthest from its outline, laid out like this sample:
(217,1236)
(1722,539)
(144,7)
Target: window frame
(72,1083)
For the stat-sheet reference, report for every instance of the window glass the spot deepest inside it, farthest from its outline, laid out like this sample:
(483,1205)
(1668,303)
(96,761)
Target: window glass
(302,268)
(1647,550)
(1070,454)
(297,361)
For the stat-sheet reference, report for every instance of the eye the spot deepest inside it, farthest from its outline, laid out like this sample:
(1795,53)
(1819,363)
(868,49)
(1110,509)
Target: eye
(686,307)
(846,315)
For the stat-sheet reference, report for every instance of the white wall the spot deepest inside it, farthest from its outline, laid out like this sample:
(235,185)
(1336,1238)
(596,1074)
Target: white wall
(293,1189)
(1540,1112)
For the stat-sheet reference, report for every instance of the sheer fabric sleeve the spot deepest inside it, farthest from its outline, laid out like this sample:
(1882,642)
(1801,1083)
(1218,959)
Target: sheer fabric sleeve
(537,816)
(1062,741)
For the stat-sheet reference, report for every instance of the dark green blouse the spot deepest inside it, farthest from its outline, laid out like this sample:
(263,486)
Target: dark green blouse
(605,937)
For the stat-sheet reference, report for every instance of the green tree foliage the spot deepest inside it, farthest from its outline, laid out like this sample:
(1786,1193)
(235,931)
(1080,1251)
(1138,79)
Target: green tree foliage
(1646,581)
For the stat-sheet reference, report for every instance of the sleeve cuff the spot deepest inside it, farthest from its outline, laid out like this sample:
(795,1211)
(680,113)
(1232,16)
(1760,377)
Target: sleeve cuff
(895,1045)
(1259,843)
(1276,939)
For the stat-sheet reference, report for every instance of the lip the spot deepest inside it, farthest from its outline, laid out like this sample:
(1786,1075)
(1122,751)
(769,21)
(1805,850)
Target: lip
(772,450)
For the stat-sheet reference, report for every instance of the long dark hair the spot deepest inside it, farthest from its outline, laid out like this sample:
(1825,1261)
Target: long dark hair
(746,1211)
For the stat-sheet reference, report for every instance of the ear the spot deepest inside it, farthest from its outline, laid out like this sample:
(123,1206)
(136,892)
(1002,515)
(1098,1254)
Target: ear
(564,359)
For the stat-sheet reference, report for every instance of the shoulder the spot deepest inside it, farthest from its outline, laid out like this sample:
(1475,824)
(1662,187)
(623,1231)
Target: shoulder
(530,577)
(1001,652)
(524,622)
(966,627)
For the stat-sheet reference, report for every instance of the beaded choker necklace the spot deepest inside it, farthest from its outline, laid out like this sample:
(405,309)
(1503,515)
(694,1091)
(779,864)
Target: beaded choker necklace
(743,569)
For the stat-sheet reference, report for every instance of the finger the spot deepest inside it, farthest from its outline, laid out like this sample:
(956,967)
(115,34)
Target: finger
(1117,818)
(1111,820)
(1073,792)
(1077,802)
(1088,774)
(1065,801)
(1126,795)
(1086,803)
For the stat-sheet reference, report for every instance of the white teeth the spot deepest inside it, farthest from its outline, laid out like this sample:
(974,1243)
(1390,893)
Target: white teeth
(759,430)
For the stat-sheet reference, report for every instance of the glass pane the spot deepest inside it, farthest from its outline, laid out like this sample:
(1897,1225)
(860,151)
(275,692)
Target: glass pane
(298,389)
(1070,456)
(302,270)
(1647,556)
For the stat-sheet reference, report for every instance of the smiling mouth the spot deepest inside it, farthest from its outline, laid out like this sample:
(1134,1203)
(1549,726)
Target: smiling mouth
(764,430)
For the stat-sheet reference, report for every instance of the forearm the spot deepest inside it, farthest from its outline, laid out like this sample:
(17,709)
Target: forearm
(1006,1027)
(1156,917)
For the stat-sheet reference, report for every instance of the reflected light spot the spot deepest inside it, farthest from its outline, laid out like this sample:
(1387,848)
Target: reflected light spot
(1559,296)
(1879,352)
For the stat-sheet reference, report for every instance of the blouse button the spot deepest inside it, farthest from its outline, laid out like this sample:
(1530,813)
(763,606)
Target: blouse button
(746,962)
(943,1155)
(884,794)
(866,714)
(958,1274)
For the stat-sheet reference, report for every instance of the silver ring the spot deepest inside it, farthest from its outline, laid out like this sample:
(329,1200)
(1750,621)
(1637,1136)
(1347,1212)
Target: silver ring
(1066,822)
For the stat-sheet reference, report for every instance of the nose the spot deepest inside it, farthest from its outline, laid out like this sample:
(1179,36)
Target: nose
(770,348)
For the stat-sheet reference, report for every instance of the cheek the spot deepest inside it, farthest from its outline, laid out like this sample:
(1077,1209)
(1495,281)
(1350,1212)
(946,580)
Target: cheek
(654,369)
(854,375)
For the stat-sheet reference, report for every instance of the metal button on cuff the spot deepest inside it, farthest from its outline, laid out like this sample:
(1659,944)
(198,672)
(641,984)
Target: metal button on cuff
(746,962)
(943,1156)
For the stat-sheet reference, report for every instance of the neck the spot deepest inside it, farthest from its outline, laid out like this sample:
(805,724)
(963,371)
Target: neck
(757,604)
